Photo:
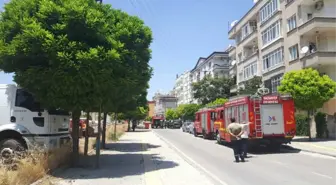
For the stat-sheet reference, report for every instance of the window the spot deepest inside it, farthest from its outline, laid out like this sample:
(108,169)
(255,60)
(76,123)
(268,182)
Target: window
(268,10)
(239,57)
(273,59)
(293,52)
(245,31)
(271,33)
(250,70)
(26,100)
(291,23)
(275,82)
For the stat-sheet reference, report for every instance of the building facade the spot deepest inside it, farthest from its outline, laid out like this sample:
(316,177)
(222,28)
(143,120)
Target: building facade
(183,89)
(215,65)
(164,102)
(277,36)
(151,108)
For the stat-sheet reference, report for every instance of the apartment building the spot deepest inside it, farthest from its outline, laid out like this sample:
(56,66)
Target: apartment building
(215,65)
(277,36)
(231,50)
(151,108)
(163,102)
(183,88)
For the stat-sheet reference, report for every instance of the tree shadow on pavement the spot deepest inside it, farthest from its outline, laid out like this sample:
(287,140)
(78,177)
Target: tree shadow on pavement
(139,130)
(114,166)
(130,147)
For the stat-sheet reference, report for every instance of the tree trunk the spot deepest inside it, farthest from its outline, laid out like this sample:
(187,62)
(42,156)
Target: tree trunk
(98,139)
(310,124)
(86,144)
(75,137)
(128,125)
(115,126)
(104,131)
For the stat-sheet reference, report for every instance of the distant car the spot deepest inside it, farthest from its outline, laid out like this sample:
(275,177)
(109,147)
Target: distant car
(185,126)
(190,128)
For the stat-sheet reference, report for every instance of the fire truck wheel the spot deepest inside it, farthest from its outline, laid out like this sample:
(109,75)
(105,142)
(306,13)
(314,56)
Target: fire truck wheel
(195,133)
(204,135)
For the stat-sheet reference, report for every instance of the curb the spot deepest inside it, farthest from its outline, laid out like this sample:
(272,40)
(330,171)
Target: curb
(310,151)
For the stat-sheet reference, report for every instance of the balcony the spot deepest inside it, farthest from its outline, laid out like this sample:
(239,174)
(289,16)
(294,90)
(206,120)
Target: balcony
(321,49)
(318,24)
(317,58)
(250,39)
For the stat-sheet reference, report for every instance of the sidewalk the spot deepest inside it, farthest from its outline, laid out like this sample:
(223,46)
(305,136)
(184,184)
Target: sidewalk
(139,158)
(320,146)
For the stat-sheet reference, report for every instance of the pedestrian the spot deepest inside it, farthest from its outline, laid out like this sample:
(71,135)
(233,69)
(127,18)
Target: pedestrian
(234,130)
(244,138)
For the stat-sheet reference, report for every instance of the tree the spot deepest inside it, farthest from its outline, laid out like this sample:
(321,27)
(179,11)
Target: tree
(251,86)
(209,89)
(218,101)
(171,114)
(309,89)
(187,111)
(73,54)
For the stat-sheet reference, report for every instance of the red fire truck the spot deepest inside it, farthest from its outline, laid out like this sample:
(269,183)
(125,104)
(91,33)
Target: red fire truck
(157,121)
(272,118)
(204,123)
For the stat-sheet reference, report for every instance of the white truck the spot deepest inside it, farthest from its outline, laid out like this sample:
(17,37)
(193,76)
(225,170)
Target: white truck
(23,124)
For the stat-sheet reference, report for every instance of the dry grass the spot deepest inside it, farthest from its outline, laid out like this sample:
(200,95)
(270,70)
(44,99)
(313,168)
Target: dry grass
(38,164)
(120,130)
(34,166)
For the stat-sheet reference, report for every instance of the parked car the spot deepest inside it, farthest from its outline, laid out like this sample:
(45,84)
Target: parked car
(190,128)
(185,126)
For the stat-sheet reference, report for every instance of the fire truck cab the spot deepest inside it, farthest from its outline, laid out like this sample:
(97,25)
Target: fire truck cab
(271,116)
(157,121)
(204,123)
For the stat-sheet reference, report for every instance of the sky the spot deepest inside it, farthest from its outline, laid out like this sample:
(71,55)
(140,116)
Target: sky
(183,31)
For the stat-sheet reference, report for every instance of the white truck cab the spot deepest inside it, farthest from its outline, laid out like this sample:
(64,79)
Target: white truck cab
(23,124)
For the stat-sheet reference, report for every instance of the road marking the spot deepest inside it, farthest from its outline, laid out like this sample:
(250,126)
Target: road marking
(191,160)
(279,163)
(322,175)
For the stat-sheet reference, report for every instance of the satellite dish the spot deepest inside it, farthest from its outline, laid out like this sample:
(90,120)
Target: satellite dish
(233,62)
(234,23)
(304,49)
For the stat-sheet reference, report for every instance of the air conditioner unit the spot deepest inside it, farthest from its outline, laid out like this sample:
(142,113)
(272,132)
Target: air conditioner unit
(319,5)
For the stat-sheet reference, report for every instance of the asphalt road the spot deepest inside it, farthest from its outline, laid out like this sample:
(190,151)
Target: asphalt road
(285,167)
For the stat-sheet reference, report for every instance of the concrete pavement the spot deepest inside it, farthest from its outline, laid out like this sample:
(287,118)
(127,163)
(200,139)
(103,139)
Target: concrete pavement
(320,146)
(140,158)
(296,167)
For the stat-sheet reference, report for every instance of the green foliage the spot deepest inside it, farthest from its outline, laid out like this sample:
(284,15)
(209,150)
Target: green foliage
(251,86)
(209,89)
(218,101)
(321,124)
(187,111)
(171,114)
(309,90)
(68,51)
(302,125)
(148,118)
